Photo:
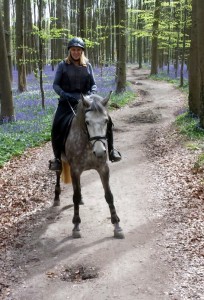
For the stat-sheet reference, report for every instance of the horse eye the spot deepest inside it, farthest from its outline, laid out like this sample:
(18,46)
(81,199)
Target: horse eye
(87,122)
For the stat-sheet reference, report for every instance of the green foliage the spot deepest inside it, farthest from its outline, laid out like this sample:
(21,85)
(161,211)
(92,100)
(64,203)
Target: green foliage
(120,100)
(193,146)
(200,161)
(14,143)
(189,126)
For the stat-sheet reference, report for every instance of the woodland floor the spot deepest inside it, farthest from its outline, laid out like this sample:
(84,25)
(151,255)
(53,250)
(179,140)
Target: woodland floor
(159,196)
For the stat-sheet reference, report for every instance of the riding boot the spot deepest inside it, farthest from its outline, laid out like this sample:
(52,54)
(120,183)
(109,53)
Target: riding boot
(114,155)
(55,164)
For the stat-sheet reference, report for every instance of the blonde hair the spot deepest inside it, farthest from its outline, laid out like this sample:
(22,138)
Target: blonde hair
(82,61)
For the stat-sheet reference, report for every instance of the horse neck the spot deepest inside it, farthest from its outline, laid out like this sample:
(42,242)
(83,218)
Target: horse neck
(80,118)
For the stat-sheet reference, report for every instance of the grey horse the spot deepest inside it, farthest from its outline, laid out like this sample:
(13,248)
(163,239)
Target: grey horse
(85,149)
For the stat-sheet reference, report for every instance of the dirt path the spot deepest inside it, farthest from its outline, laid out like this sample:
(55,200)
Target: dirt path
(97,267)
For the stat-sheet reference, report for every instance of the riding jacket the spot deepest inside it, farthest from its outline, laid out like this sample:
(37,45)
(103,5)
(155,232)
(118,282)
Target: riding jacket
(71,80)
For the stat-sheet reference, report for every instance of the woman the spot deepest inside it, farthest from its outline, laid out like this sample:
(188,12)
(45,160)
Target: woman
(73,77)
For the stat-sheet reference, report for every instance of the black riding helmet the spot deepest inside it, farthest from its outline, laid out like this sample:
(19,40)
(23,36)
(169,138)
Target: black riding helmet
(76,42)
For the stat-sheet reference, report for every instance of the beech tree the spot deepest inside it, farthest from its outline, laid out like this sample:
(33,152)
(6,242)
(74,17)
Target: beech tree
(7,108)
(6,5)
(200,18)
(121,45)
(194,78)
(20,50)
(196,71)
(155,33)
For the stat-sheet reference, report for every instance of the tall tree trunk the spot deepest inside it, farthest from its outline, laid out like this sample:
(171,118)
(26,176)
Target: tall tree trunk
(139,40)
(20,55)
(121,64)
(194,73)
(59,25)
(40,62)
(6,99)
(155,33)
(7,32)
(200,14)
(184,44)
(82,20)
(53,41)
(29,41)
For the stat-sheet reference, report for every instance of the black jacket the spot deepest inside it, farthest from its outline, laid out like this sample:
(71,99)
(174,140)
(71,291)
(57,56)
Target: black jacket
(70,78)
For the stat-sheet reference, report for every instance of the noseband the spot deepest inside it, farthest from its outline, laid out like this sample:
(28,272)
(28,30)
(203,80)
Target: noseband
(96,138)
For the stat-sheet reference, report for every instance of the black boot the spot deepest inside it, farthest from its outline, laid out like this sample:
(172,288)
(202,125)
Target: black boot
(114,155)
(56,164)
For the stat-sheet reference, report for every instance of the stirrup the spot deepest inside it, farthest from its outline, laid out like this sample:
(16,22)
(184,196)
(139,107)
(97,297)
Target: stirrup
(55,165)
(114,155)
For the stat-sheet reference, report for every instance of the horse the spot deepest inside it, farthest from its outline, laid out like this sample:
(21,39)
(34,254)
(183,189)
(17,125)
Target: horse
(85,149)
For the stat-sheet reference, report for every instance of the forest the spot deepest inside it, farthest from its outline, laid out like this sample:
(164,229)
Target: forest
(162,35)
(136,47)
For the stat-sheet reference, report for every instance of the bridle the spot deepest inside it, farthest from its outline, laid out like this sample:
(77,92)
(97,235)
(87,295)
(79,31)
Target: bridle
(96,138)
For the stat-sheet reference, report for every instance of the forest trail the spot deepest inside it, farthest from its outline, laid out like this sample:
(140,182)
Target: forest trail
(52,265)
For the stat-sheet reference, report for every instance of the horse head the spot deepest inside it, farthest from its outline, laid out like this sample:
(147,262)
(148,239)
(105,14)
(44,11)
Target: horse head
(96,120)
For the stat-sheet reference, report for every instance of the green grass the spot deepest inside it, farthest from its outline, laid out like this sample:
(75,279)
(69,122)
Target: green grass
(189,126)
(122,99)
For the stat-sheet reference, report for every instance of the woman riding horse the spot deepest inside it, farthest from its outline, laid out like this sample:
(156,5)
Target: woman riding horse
(74,76)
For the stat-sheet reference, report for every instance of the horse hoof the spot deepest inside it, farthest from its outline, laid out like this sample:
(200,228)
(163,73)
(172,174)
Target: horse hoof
(56,203)
(119,234)
(76,234)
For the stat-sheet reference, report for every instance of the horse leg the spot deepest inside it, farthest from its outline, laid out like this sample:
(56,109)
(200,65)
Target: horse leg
(77,201)
(57,189)
(104,174)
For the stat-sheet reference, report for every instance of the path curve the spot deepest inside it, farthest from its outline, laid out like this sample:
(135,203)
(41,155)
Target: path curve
(136,267)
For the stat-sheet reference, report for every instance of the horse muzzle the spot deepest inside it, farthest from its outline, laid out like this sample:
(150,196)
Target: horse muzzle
(99,146)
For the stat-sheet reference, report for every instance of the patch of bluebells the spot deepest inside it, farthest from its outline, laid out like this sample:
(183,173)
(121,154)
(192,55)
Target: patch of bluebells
(29,115)
(172,72)
(28,104)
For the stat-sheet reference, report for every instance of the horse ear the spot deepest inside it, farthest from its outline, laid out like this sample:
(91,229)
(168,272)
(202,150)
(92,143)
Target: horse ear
(106,99)
(85,101)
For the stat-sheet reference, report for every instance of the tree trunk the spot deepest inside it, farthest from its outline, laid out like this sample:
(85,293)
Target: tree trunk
(82,20)
(155,33)
(20,56)
(194,73)
(40,62)
(7,32)
(7,108)
(184,45)
(121,63)
(200,14)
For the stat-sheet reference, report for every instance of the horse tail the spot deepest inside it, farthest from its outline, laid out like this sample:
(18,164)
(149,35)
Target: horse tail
(66,174)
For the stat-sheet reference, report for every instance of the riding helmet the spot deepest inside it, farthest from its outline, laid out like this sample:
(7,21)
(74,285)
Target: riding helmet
(76,42)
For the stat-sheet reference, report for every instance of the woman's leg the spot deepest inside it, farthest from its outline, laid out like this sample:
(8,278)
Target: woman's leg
(60,122)
(114,155)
